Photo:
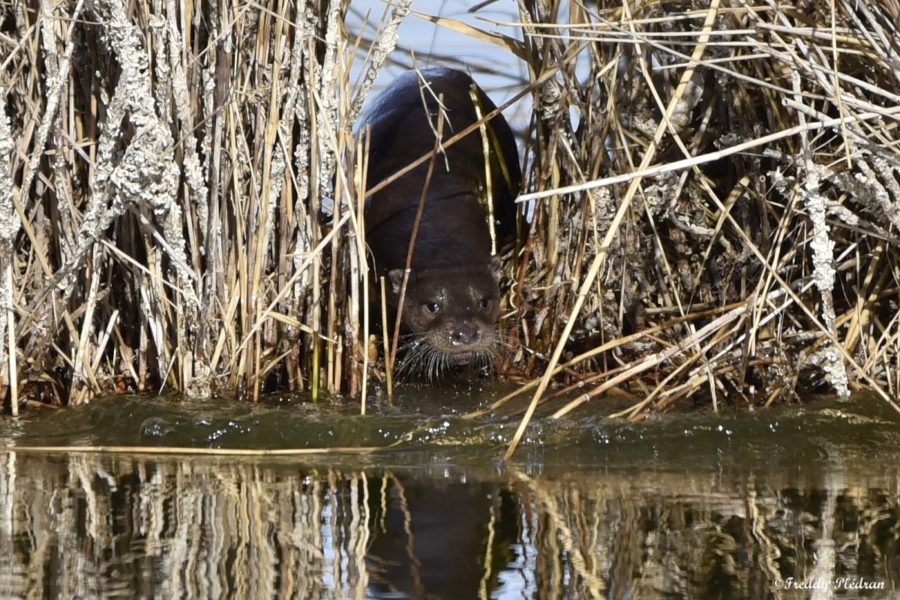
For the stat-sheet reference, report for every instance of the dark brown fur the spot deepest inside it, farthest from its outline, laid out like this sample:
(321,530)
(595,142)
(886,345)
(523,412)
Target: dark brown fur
(451,304)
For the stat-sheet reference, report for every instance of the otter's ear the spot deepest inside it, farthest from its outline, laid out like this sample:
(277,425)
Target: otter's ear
(396,277)
(496,268)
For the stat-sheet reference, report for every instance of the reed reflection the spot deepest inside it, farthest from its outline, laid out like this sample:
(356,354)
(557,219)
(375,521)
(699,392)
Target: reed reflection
(89,525)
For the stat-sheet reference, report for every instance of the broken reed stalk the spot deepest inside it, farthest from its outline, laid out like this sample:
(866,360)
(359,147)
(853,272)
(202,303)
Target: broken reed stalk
(420,209)
(359,272)
(11,340)
(192,451)
(386,342)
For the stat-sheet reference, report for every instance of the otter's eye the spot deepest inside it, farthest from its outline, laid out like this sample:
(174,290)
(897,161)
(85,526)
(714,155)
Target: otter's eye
(484,303)
(432,307)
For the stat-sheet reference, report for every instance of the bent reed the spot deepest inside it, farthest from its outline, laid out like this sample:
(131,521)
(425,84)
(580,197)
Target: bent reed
(713,191)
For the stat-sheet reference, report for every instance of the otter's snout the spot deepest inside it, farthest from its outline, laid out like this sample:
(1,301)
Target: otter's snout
(464,334)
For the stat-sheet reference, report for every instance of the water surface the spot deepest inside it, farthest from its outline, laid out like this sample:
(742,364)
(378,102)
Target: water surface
(785,503)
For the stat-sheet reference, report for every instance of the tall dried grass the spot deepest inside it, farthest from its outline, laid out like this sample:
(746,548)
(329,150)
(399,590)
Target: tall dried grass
(717,199)
(715,191)
(183,215)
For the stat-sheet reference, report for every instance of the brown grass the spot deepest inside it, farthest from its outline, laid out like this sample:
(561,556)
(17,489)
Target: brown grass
(715,192)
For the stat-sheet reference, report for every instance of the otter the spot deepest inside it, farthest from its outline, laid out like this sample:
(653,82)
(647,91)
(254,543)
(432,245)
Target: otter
(452,300)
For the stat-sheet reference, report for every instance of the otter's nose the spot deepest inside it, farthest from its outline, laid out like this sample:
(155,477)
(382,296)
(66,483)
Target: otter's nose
(464,334)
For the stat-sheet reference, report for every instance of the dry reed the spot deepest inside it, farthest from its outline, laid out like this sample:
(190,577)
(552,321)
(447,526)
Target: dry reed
(183,212)
(713,190)
(689,156)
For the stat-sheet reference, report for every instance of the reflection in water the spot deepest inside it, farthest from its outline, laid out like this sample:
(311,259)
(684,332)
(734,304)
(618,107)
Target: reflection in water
(87,525)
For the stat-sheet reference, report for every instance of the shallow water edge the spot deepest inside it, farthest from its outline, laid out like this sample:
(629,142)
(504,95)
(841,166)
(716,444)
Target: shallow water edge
(776,504)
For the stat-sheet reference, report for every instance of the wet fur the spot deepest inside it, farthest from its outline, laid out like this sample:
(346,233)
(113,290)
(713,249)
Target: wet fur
(421,360)
(452,265)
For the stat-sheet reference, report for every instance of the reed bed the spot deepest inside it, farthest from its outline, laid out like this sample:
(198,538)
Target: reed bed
(184,214)
(716,188)
(712,195)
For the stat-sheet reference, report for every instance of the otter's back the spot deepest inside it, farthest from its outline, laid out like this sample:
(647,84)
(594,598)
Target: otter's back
(402,125)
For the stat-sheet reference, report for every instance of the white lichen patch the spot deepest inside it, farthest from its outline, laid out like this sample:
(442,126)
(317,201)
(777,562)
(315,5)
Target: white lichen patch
(9,227)
(823,270)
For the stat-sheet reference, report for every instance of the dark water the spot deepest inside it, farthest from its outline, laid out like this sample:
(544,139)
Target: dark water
(786,503)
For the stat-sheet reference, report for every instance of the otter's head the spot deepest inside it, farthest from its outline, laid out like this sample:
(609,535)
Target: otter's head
(450,314)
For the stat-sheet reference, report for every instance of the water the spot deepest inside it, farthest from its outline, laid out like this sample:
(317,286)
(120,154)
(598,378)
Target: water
(786,503)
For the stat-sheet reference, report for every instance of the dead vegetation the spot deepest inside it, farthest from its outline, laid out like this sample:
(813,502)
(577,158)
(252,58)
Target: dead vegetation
(715,189)
(718,222)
